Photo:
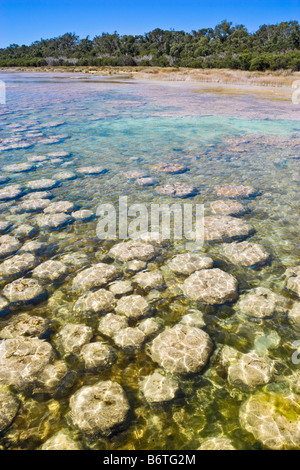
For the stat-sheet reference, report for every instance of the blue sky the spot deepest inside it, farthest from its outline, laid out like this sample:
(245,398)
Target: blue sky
(24,21)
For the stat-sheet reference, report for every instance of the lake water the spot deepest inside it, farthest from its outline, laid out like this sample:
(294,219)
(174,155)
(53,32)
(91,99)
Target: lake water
(125,126)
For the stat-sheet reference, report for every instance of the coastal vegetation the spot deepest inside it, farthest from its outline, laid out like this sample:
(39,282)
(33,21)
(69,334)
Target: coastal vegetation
(271,47)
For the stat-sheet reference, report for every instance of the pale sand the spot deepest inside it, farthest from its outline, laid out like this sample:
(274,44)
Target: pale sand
(276,84)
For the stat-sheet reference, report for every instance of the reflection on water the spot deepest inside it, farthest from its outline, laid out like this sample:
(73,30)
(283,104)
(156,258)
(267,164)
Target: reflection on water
(125,127)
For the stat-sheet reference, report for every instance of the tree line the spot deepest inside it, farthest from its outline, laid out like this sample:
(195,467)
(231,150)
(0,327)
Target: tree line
(271,47)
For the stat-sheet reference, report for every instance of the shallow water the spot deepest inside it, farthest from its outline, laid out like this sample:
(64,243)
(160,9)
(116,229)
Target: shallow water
(125,126)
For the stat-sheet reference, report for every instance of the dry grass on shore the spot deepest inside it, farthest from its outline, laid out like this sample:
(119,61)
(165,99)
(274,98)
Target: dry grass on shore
(280,78)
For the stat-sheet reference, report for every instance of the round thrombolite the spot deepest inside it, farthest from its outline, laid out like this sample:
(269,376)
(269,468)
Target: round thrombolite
(4,179)
(75,260)
(32,205)
(232,208)
(25,231)
(19,167)
(9,406)
(129,339)
(236,191)
(36,195)
(100,408)
(17,265)
(25,325)
(4,226)
(98,275)
(24,291)
(100,301)
(11,192)
(181,349)
(211,286)
(127,251)
(153,238)
(42,184)
(33,247)
(294,315)
(4,306)
(8,245)
(217,443)
(177,190)
(61,441)
(219,228)
(65,176)
(148,280)
(92,170)
(55,379)
(60,154)
(132,306)
(170,168)
(193,318)
(135,265)
(135,174)
(50,271)
(273,419)
(149,326)
(159,389)
(262,303)
(72,337)
(251,371)
(54,221)
(37,159)
(97,356)
(293,279)
(187,263)
(119,288)
(147,181)
(111,324)
(60,206)
(83,214)
(22,361)
(246,254)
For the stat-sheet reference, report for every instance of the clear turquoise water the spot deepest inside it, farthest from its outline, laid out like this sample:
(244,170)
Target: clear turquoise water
(127,126)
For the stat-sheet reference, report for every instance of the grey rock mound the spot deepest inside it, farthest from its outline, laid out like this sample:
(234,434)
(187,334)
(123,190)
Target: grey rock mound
(24,291)
(236,191)
(17,265)
(41,184)
(294,315)
(98,275)
(72,337)
(148,280)
(159,389)
(193,318)
(101,301)
(246,254)
(217,443)
(9,406)
(60,206)
(25,325)
(65,176)
(119,288)
(211,286)
(225,229)
(127,251)
(132,306)
(273,419)
(262,303)
(83,214)
(19,167)
(32,205)
(8,245)
(187,263)
(99,409)
(92,170)
(145,181)
(226,207)
(4,226)
(171,168)
(111,324)
(250,371)
(181,349)
(129,339)
(177,190)
(98,356)
(293,279)
(50,271)
(54,221)
(22,361)
(11,192)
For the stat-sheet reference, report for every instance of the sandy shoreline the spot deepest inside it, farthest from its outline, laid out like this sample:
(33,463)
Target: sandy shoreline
(277,84)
